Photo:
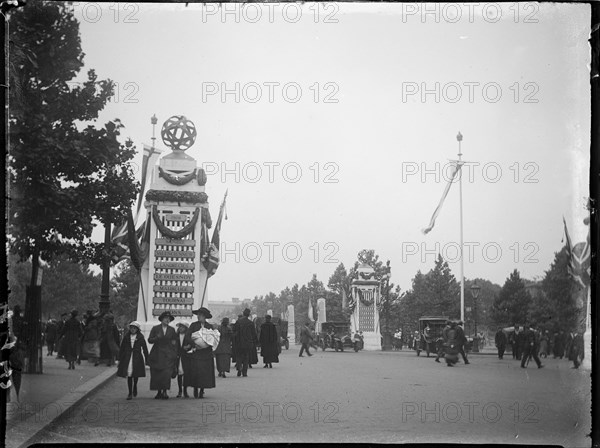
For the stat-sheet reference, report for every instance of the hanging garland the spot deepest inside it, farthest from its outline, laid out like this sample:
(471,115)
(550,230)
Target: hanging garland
(201,177)
(176,180)
(175,234)
(362,299)
(190,197)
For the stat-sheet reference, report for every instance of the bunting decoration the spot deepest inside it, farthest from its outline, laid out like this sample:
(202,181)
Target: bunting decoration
(177,179)
(578,264)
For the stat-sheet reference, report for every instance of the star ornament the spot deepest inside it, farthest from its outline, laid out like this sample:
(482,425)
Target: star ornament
(178,133)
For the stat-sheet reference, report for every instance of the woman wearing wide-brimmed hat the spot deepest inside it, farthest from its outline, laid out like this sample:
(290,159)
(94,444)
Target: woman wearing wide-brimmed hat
(132,354)
(223,351)
(163,355)
(200,373)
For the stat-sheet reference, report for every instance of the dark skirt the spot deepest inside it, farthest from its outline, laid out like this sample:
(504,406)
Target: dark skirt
(200,369)
(71,350)
(223,362)
(160,379)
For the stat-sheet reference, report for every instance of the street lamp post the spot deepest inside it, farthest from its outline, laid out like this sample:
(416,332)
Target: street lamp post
(475,289)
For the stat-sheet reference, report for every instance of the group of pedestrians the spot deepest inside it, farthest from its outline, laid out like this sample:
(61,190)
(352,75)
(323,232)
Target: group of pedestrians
(530,342)
(188,354)
(95,337)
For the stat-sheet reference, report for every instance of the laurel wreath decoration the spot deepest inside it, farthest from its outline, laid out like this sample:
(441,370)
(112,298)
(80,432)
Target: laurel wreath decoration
(176,180)
(175,234)
(362,299)
(190,197)
(367,275)
(201,177)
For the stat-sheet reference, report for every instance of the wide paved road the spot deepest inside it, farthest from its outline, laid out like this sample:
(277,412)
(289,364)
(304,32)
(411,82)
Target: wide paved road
(351,397)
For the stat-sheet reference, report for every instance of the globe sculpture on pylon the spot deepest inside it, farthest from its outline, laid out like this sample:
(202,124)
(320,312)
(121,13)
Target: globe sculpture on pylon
(178,133)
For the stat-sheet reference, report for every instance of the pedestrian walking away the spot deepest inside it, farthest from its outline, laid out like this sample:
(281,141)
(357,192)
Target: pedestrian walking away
(224,349)
(269,342)
(305,338)
(163,355)
(245,339)
(199,342)
(133,356)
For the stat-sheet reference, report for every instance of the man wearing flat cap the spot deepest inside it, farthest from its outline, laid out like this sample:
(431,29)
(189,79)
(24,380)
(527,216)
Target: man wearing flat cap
(199,368)
(163,355)
(245,338)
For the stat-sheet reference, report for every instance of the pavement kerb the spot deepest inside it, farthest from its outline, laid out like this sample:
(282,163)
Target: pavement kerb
(64,403)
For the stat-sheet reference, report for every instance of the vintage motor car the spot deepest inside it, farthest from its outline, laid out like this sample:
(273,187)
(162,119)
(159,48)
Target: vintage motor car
(430,332)
(337,336)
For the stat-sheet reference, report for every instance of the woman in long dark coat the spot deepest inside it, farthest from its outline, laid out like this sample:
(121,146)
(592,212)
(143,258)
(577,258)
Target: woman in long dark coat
(132,356)
(224,350)
(269,342)
(200,373)
(163,355)
(71,332)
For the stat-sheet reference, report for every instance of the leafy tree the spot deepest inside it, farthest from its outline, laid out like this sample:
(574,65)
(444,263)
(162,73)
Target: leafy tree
(338,282)
(487,295)
(125,292)
(558,308)
(62,178)
(512,304)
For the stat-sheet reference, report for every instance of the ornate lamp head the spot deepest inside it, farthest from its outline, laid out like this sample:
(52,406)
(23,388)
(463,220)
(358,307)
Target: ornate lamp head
(178,133)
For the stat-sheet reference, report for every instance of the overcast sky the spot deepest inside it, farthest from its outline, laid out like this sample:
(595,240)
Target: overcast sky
(365,100)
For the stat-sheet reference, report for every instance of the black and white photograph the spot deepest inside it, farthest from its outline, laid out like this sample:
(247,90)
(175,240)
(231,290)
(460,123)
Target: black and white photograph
(299,222)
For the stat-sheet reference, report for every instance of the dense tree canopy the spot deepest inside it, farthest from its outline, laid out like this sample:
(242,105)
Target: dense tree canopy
(67,174)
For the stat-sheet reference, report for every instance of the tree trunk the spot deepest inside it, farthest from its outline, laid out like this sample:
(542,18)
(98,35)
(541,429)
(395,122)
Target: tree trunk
(33,312)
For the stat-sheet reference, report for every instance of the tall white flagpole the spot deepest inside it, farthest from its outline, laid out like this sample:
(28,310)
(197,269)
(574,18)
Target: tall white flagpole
(459,137)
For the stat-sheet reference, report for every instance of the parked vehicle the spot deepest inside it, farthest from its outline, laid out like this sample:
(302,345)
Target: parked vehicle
(337,336)
(430,332)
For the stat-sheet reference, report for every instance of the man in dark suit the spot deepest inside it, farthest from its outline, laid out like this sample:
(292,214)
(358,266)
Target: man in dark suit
(500,341)
(245,338)
(530,347)
(305,339)
(462,341)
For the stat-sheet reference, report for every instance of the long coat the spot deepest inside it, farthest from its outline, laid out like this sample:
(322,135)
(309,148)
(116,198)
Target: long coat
(200,364)
(269,342)
(500,340)
(162,357)
(137,355)
(51,330)
(245,336)
(224,350)
(72,334)
(305,336)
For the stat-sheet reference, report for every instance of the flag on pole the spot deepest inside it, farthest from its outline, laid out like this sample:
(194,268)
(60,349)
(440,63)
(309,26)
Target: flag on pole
(212,262)
(149,158)
(119,236)
(457,168)
(311,314)
(578,265)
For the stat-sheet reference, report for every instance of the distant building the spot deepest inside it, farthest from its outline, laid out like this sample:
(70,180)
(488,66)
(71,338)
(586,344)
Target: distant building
(534,289)
(221,309)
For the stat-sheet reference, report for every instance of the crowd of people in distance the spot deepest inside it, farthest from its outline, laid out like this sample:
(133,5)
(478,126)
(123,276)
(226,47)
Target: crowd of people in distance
(530,342)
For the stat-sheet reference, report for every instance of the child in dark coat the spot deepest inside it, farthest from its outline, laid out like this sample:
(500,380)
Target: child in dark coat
(133,355)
